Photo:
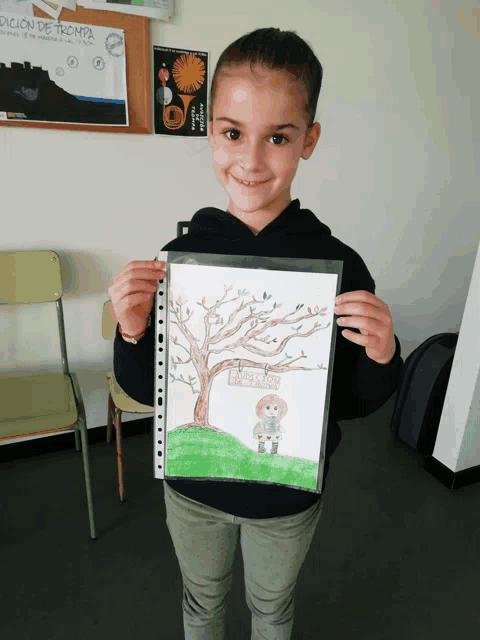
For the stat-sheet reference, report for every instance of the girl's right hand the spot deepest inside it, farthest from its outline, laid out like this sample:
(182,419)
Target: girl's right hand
(132,293)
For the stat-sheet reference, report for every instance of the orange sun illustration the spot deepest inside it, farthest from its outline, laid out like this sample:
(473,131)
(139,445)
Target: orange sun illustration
(188,72)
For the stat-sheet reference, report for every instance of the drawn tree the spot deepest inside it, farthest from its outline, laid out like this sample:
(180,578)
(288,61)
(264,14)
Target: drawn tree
(259,323)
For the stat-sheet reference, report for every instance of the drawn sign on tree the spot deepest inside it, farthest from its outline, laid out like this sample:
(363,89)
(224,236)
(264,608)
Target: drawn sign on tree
(247,369)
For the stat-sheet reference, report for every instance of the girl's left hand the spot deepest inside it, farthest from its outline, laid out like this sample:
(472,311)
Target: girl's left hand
(372,317)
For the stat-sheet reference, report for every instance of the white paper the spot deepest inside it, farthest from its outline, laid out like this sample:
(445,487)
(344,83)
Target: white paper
(22,7)
(154,9)
(53,9)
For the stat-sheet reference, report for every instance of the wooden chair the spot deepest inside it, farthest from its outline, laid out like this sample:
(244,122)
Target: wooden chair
(51,402)
(118,401)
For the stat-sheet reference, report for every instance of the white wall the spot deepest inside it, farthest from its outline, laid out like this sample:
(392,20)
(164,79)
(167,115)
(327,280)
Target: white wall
(395,173)
(458,441)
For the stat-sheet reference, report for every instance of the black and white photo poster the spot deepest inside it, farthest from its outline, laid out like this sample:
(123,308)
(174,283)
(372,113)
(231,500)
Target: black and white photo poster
(61,72)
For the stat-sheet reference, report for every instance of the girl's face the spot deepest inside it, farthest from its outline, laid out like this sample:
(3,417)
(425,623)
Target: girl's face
(271,410)
(255,147)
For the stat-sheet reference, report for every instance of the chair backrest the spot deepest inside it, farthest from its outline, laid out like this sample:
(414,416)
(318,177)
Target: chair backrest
(28,277)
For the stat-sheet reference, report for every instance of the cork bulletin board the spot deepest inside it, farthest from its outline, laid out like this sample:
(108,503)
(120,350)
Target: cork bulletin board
(138,69)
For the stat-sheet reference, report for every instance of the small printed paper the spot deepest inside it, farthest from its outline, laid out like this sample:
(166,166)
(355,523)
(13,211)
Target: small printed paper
(21,7)
(180,90)
(154,9)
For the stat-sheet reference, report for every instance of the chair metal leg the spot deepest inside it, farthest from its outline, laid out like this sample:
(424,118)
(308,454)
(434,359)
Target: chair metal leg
(110,413)
(77,440)
(81,426)
(86,467)
(118,432)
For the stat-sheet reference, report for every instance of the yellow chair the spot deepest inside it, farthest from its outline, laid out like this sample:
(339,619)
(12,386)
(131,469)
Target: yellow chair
(50,402)
(118,401)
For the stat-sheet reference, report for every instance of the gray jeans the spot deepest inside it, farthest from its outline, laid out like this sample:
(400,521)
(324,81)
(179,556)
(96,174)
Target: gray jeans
(273,550)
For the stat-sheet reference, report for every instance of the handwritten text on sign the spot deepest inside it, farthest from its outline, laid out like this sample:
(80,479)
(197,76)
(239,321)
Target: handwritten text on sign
(253,379)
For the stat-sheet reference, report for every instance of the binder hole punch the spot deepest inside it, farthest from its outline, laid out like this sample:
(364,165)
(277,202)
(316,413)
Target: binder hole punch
(160,401)
(160,307)
(160,377)
(160,429)
(159,442)
(161,349)
(160,390)
(159,466)
(159,454)
(160,322)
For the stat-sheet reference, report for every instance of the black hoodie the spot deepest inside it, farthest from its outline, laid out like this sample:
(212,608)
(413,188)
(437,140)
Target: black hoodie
(360,385)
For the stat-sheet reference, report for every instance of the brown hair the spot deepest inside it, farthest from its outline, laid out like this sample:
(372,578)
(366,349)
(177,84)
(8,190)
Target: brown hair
(271,399)
(279,51)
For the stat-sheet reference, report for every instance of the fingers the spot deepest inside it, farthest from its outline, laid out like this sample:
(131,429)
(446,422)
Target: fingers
(362,303)
(359,297)
(142,268)
(132,291)
(366,325)
(360,310)
(136,274)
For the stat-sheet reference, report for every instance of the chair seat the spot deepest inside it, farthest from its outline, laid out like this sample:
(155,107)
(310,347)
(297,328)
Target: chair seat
(34,405)
(122,400)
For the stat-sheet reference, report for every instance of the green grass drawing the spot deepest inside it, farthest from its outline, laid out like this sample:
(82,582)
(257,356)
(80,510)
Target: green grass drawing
(204,453)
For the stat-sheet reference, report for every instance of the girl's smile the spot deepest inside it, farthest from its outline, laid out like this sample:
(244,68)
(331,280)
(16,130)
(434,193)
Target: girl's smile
(249,184)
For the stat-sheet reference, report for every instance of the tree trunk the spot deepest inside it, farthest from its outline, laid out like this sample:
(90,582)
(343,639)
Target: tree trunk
(200,418)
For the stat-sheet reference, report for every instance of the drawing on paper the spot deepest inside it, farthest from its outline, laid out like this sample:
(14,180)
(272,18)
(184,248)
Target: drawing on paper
(247,374)
(259,322)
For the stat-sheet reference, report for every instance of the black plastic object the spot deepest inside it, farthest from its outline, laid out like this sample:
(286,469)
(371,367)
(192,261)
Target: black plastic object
(421,395)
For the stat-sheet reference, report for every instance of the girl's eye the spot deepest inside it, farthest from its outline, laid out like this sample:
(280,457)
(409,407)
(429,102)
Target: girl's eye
(274,135)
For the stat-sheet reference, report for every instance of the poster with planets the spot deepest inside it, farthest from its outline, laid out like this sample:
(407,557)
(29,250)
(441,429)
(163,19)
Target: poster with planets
(61,72)
(180,78)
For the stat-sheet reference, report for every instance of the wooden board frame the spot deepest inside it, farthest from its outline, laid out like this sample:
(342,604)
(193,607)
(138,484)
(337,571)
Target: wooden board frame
(138,62)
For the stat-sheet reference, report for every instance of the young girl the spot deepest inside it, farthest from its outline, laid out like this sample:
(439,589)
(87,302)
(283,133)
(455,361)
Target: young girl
(263,101)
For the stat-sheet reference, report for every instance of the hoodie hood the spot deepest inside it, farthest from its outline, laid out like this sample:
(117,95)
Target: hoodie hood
(295,233)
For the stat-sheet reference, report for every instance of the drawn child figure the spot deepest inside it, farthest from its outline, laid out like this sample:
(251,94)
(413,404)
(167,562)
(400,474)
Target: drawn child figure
(271,409)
